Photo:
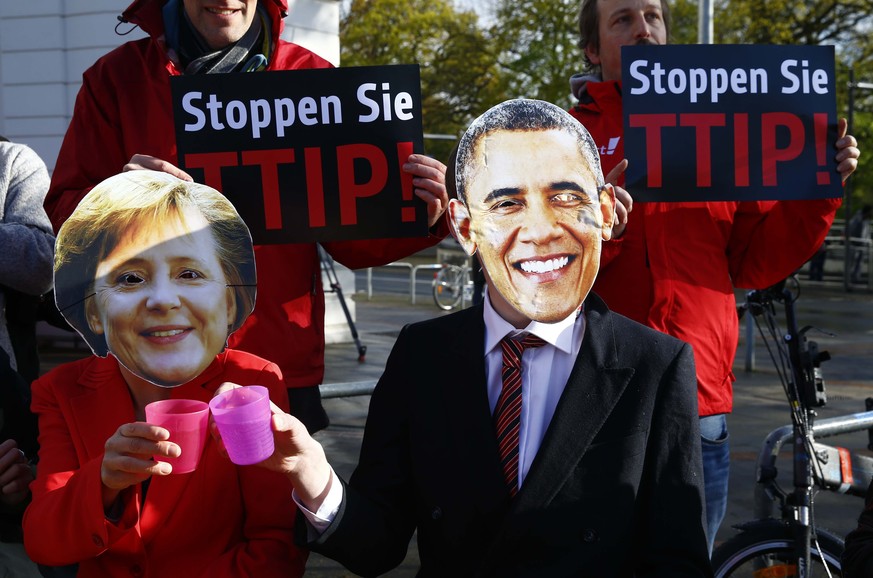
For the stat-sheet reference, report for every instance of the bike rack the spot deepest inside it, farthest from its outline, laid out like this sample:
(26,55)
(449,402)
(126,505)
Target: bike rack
(413,272)
(428,267)
(822,428)
(346,389)
(842,424)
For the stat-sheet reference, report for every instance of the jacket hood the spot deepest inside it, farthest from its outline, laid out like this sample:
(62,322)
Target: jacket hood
(147,15)
(579,85)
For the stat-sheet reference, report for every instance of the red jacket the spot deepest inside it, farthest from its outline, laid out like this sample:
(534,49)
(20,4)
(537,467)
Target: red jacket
(124,108)
(220,520)
(676,266)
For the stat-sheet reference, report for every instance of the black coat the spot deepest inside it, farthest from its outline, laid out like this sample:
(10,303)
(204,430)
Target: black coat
(616,489)
(858,555)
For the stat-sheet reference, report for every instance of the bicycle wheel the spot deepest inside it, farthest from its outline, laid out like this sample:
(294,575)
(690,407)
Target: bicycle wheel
(766,551)
(447,287)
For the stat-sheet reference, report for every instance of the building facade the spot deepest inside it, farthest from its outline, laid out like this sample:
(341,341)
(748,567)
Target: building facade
(46,45)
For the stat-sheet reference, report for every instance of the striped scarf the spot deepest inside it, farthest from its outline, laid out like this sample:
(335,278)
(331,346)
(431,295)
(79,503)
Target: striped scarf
(251,53)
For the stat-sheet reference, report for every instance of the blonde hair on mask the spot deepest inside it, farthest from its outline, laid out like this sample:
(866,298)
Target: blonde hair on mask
(131,199)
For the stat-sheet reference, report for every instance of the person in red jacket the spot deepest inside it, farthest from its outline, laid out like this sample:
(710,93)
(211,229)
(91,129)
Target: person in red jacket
(154,273)
(123,119)
(674,266)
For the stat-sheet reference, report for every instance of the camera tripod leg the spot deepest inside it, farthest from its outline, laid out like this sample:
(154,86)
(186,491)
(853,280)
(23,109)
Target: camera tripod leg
(333,280)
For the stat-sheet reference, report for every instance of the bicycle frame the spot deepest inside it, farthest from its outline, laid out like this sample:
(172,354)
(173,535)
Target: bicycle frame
(798,362)
(839,470)
(460,286)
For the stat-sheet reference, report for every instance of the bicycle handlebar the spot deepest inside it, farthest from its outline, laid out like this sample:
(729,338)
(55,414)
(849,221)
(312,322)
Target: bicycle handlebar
(766,297)
(804,355)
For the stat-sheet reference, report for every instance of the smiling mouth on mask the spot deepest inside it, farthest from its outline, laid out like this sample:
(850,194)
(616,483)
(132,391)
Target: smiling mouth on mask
(165,333)
(543,266)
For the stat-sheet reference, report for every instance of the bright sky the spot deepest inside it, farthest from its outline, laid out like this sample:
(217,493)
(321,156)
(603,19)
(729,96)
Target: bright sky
(482,7)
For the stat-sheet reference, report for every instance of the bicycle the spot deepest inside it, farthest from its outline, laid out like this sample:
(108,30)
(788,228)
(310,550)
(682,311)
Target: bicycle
(791,545)
(453,286)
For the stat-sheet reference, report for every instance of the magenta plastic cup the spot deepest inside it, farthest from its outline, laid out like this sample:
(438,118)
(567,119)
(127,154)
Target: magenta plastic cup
(243,418)
(187,421)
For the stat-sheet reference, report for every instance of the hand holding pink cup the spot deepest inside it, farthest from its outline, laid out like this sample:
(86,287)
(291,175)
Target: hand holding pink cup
(186,420)
(243,418)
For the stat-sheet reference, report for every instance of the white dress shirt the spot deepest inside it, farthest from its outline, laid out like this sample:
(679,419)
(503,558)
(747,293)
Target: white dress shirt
(544,373)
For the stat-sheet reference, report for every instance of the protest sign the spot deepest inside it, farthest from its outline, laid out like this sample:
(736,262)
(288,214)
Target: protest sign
(729,123)
(307,155)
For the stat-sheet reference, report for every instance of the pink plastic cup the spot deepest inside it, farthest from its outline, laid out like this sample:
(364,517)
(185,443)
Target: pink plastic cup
(186,420)
(243,418)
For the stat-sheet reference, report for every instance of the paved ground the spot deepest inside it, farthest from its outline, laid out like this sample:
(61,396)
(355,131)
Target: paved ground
(760,405)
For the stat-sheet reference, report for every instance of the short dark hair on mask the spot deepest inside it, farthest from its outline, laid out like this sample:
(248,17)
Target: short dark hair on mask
(516,115)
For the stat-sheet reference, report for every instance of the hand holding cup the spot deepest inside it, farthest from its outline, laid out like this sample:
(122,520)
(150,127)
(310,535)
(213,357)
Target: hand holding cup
(186,420)
(295,453)
(127,459)
(243,415)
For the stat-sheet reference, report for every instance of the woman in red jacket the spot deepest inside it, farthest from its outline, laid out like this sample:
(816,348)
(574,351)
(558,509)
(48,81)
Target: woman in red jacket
(155,273)
(123,118)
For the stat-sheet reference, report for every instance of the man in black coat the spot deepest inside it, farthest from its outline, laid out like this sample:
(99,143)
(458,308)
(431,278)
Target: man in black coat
(570,453)
(858,555)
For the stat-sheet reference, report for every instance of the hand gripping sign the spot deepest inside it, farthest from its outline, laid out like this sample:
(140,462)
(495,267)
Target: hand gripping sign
(307,155)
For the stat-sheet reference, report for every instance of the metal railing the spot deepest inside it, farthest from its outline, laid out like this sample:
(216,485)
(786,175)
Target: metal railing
(836,245)
(413,272)
(865,245)
(347,389)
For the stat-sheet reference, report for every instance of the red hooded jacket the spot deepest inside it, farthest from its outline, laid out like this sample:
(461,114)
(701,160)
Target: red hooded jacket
(676,265)
(124,108)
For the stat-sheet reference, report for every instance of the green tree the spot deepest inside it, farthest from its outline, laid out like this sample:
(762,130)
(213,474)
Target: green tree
(683,21)
(845,24)
(790,22)
(857,59)
(861,183)
(459,76)
(537,42)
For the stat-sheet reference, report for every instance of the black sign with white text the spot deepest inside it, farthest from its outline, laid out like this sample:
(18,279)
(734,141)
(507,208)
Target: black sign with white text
(729,122)
(307,155)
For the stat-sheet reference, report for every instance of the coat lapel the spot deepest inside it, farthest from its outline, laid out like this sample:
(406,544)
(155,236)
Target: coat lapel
(99,406)
(101,402)
(468,411)
(165,492)
(595,385)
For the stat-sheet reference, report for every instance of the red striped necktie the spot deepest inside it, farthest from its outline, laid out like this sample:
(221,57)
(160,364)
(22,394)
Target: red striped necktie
(507,413)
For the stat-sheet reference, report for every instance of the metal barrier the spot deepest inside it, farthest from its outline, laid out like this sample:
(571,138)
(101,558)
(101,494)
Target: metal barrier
(750,342)
(347,389)
(370,275)
(427,267)
(413,272)
(865,246)
(836,246)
